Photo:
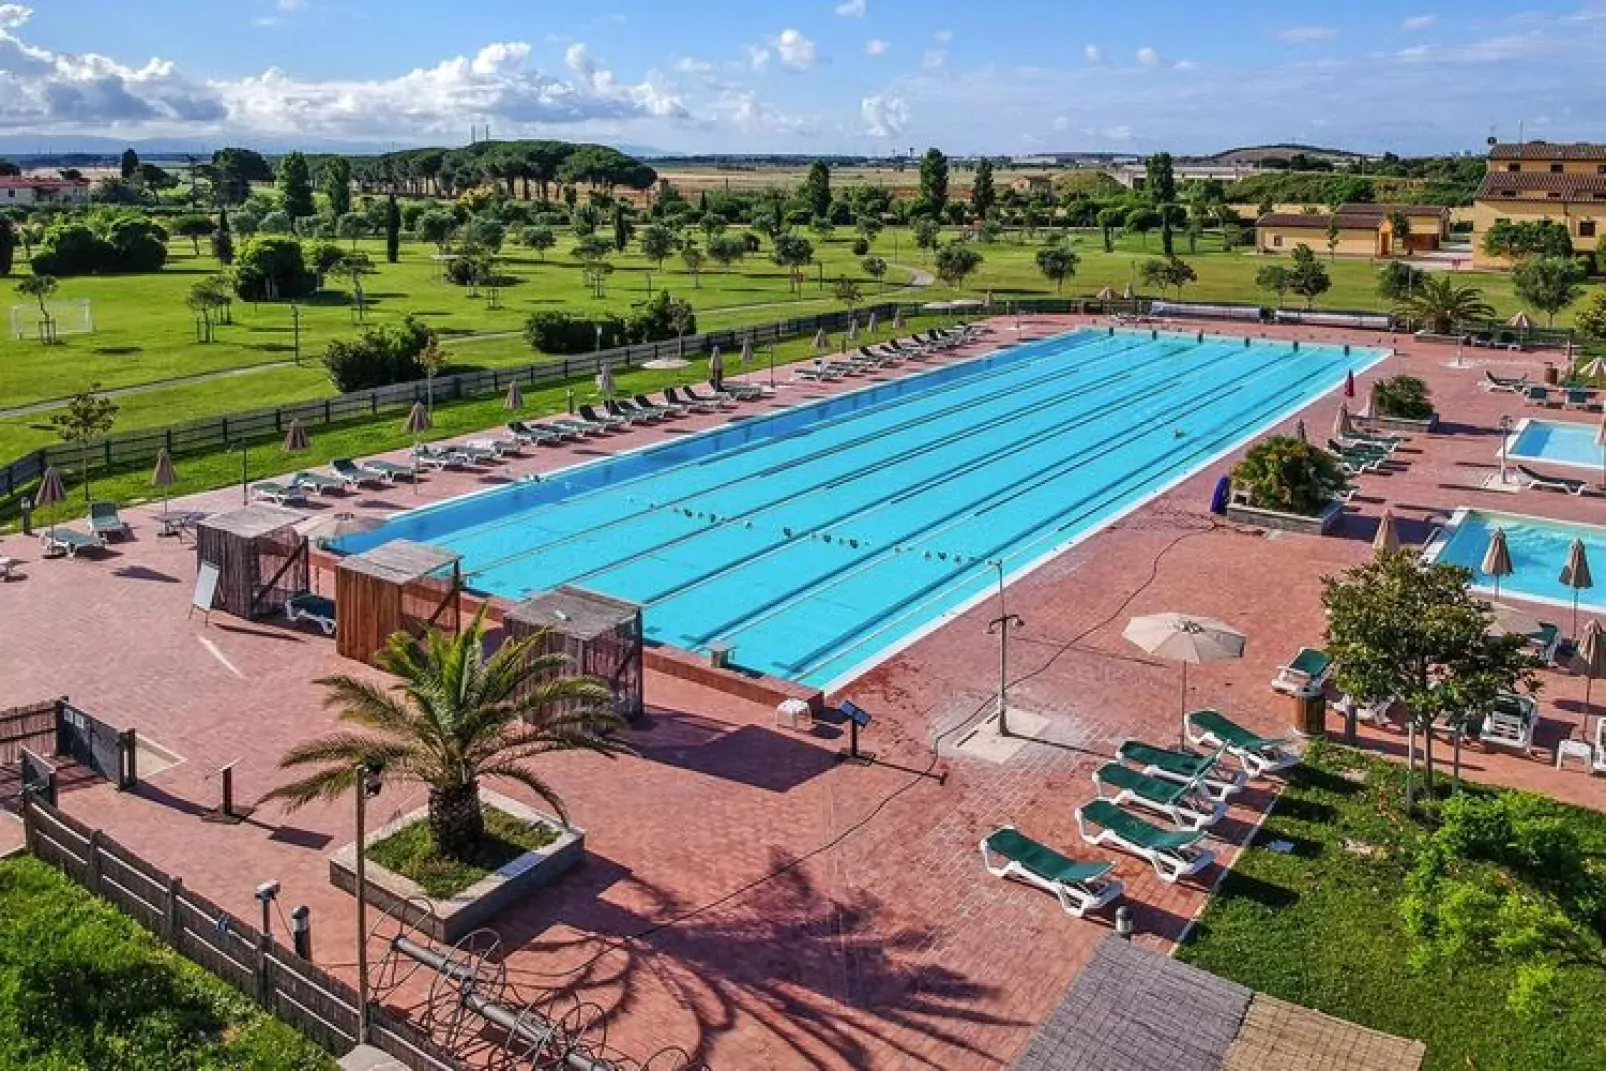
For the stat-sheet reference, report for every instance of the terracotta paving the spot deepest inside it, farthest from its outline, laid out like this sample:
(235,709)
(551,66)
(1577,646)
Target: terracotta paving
(877,940)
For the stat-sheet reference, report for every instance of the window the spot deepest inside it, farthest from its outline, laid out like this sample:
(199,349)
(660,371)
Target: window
(1513,167)
(1555,169)
(1600,196)
(1586,228)
(1277,240)
(1554,195)
(1600,169)
(1508,193)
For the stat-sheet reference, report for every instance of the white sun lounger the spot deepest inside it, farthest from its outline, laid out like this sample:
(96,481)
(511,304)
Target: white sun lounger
(1079,887)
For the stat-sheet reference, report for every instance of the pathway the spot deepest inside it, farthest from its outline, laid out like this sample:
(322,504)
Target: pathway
(919,279)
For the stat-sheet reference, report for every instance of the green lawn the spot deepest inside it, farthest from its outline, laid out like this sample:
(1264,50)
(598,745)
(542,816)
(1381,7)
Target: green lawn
(1321,926)
(83,987)
(410,853)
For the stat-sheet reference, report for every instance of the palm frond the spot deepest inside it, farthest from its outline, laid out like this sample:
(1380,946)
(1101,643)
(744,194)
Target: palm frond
(534,784)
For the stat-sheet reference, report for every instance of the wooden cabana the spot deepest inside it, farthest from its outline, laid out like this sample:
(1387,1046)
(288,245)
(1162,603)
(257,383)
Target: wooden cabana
(600,635)
(400,586)
(260,557)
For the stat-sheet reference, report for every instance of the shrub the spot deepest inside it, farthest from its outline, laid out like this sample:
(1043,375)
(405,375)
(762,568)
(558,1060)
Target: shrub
(1289,475)
(268,269)
(468,269)
(656,320)
(102,244)
(1405,397)
(323,257)
(861,247)
(378,357)
(563,333)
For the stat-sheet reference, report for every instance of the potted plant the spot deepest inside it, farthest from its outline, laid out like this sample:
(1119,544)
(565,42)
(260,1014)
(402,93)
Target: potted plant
(1289,485)
(1404,403)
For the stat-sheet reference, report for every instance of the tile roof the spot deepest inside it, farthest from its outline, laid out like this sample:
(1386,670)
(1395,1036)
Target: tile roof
(19,182)
(1544,150)
(1520,183)
(1318,221)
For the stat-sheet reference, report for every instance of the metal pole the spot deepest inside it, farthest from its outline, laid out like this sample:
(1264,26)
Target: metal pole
(301,931)
(245,474)
(362,911)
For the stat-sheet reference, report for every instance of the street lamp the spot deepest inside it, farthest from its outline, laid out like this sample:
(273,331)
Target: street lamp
(1505,437)
(368,784)
(295,328)
(245,473)
(1000,627)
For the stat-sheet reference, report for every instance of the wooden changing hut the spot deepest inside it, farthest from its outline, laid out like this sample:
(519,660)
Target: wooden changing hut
(400,586)
(601,636)
(260,556)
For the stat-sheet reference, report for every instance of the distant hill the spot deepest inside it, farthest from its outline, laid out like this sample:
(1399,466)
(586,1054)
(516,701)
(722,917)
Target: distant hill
(1255,154)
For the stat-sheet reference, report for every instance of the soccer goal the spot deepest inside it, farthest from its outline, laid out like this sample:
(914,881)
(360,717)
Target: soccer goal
(60,318)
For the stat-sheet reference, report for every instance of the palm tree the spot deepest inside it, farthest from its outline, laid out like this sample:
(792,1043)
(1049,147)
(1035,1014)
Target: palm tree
(456,716)
(1440,303)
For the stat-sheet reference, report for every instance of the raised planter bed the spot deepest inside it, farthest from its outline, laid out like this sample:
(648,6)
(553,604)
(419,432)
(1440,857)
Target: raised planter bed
(476,905)
(1405,424)
(1321,524)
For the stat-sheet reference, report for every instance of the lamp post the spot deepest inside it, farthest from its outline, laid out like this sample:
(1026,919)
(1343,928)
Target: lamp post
(1505,439)
(245,473)
(368,784)
(295,330)
(1000,626)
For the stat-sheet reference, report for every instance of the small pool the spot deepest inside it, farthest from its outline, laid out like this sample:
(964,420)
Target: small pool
(1557,442)
(1538,549)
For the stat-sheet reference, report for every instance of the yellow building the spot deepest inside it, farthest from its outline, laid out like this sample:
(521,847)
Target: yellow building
(1364,230)
(1537,180)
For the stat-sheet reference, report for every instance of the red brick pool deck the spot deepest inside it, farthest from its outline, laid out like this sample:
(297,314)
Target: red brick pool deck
(879,941)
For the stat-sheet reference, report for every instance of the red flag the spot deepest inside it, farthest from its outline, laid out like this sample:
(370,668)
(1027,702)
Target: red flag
(1349,384)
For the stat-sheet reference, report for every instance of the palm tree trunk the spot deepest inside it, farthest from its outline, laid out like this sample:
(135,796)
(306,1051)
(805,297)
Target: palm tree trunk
(456,822)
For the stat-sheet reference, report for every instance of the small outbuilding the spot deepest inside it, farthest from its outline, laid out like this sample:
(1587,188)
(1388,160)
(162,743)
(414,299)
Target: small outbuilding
(400,586)
(260,557)
(600,635)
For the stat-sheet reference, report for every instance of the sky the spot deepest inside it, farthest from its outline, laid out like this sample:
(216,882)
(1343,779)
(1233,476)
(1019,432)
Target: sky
(1014,77)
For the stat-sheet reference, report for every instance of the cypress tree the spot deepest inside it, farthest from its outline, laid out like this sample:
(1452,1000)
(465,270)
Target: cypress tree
(223,240)
(392,231)
(8,245)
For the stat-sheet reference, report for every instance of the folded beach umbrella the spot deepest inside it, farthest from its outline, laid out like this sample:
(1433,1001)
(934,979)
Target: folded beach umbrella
(1349,384)
(747,351)
(872,325)
(1497,559)
(853,329)
(1521,321)
(51,493)
(1341,422)
(897,320)
(605,384)
(515,398)
(295,439)
(418,420)
(716,369)
(1388,534)
(1575,574)
(164,476)
(821,343)
(1590,659)
(1107,294)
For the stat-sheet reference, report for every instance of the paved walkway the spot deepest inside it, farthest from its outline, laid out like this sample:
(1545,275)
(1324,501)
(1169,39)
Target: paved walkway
(746,896)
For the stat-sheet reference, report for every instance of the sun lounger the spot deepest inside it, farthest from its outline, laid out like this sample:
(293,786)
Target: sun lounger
(1544,642)
(1510,723)
(744,392)
(280,494)
(489,449)
(1080,887)
(1538,480)
(724,401)
(1174,855)
(673,409)
(356,475)
(8,566)
(314,608)
(1177,764)
(606,420)
(577,426)
(696,405)
(1259,755)
(69,541)
(1580,398)
(390,468)
(104,521)
(317,481)
(537,434)
(635,414)
(1537,395)
(1180,801)
(1492,382)
(1305,674)
(824,373)
(1352,449)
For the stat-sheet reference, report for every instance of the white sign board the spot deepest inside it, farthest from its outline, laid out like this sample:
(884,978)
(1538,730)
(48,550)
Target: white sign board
(205,588)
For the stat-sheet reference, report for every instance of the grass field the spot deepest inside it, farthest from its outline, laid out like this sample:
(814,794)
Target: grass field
(82,987)
(1321,926)
(144,334)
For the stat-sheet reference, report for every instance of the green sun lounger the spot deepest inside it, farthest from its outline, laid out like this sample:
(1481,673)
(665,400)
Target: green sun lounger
(1176,764)
(1305,674)
(104,521)
(67,542)
(389,468)
(317,481)
(1180,801)
(1079,887)
(280,494)
(356,475)
(1259,755)
(1173,854)
(314,608)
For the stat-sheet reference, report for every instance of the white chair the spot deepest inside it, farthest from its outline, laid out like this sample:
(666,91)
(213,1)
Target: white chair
(1599,763)
(1511,722)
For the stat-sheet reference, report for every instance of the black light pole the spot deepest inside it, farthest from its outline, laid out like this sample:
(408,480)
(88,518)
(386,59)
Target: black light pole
(245,473)
(368,785)
(295,328)
(1000,627)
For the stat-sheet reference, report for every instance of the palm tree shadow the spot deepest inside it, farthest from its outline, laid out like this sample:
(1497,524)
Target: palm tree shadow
(835,979)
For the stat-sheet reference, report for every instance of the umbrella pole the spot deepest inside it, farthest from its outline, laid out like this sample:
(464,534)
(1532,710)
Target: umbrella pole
(1181,731)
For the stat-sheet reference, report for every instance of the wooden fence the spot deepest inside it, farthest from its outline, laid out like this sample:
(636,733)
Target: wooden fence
(294,989)
(129,449)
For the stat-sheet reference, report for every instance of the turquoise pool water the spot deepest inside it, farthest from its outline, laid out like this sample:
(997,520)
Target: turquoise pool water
(1538,551)
(815,539)
(1560,442)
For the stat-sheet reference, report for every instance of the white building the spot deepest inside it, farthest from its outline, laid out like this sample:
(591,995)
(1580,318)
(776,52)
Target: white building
(26,191)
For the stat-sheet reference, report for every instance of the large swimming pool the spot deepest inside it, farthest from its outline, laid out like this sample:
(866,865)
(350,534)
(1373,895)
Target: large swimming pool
(819,538)
(1538,548)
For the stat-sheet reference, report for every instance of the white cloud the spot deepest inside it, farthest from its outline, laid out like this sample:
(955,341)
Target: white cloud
(1148,57)
(1093,54)
(795,50)
(1060,122)
(852,9)
(692,65)
(742,110)
(942,37)
(14,15)
(291,5)
(875,47)
(1306,35)
(934,59)
(883,116)
(1418,23)
(758,57)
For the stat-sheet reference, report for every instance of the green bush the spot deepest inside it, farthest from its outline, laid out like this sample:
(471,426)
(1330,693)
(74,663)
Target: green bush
(378,357)
(268,269)
(1405,397)
(101,244)
(1288,475)
(565,333)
